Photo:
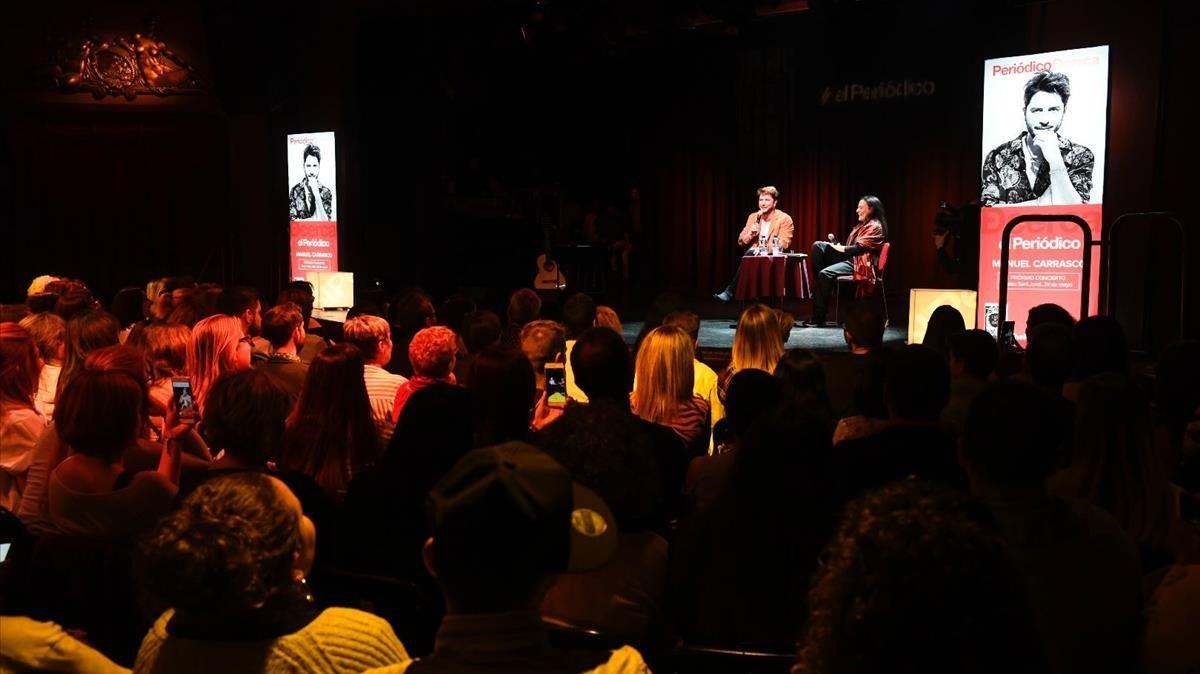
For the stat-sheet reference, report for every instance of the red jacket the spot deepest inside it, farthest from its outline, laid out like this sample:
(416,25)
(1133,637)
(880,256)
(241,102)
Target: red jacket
(867,235)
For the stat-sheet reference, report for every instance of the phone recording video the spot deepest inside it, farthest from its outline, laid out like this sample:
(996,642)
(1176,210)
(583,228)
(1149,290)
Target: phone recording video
(556,385)
(185,399)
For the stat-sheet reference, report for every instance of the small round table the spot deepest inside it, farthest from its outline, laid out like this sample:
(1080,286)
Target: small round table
(774,276)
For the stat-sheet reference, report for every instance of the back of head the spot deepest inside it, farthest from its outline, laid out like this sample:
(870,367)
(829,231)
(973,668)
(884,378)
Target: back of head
(100,412)
(331,434)
(688,321)
(783,450)
(523,306)
(498,529)
(481,329)
(76,300)
(579,314)
(280,323)
(913,583)
(228,550)
(166,348)
(944,323)
(1044,314)
(129,306)
(600,363)
(542,341)
(38,285)
(126,359)
(237,300)
(454,312)
(607,317)
(410,310)
(212,351)
(607,450)
(1014,435)
(85,333)
(434,431)
(299,293)
(786,323)
(1050,355)
(750,393)
(865,326)
(432,352)
(1100,346)
(49,333)
(1115,458)
(367,333)
(976,351)
(918,384)
(245,414)
(803,379)
(19,367)
(503,386)
(756,343)
(665,374)
(41,302)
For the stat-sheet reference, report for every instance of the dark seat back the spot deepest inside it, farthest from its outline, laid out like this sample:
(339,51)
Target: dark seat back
(86,583)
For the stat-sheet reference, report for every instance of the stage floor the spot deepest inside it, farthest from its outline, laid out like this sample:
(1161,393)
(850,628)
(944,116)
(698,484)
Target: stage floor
(716,334)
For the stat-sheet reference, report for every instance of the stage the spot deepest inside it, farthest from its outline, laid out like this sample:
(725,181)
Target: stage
(716,335)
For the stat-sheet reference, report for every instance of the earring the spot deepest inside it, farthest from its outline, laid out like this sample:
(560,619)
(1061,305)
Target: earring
(305,591)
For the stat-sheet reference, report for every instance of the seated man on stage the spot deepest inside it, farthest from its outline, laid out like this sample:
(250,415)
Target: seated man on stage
(763,225)
(857,257)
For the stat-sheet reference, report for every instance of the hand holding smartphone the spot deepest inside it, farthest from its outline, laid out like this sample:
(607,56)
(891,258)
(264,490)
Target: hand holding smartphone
(185,400)
(556,385)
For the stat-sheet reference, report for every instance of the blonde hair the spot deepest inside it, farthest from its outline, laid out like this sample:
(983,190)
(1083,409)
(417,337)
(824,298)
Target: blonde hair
(212,352)
(757,344)
(665,375)
(49,332)
(367,332)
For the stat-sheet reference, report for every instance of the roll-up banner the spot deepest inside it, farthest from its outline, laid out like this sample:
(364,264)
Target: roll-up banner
(1045,119)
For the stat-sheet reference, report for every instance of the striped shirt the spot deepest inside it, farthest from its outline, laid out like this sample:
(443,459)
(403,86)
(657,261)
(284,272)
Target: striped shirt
(381,391)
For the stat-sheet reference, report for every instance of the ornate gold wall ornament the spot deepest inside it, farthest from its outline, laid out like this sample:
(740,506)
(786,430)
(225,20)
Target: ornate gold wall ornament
(120,66)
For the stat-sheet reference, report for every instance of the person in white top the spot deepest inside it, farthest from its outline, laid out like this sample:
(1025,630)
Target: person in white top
(49,332)
(373,337)
(20,423)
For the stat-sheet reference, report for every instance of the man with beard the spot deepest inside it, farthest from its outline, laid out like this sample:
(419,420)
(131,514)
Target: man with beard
(310,200)
(1040,166)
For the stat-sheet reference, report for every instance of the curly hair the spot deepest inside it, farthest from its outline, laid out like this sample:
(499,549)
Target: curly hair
(912,582)
(229,548)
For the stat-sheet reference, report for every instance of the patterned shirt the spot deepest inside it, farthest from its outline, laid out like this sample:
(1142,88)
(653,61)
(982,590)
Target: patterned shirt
(1005,178)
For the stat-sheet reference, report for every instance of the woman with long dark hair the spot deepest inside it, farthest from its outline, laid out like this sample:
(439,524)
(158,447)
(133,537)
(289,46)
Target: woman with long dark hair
(331,435)
(858,257)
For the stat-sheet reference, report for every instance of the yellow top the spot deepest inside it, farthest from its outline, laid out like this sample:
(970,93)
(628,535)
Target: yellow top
(339,640)
(624,660)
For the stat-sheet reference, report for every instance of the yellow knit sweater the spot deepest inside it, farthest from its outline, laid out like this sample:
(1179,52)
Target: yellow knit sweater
(338,640)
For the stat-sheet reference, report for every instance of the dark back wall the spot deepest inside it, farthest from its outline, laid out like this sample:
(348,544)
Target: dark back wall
(589,104)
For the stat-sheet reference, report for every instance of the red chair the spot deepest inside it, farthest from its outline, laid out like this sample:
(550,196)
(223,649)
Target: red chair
(849,278)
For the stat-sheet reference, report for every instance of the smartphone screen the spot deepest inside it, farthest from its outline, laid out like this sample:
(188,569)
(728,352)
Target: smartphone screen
(4,548)
(556,385)
(185,400)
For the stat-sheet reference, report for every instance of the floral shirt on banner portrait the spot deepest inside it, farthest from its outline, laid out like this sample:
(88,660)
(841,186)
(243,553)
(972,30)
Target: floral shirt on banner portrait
(1005,179)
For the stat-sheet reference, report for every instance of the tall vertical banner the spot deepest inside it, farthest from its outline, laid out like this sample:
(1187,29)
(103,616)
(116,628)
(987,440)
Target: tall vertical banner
(312,202)
(1045,119)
